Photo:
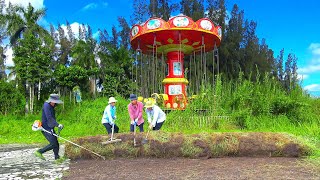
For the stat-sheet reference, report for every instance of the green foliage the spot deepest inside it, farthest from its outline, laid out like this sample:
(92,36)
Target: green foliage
(116,68)
(71,76)
(11,100)
(83,54)
(32,59)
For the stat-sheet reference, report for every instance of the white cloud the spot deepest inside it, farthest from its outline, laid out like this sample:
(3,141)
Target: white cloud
(9,54)
(312,87)
(315,48)
(309,69)
(74,27)
(37,4)
(90,6)
(314,63)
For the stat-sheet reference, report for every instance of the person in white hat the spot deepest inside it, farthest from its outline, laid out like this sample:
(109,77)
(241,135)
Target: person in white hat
(49,122)
(156,116)
(109,116)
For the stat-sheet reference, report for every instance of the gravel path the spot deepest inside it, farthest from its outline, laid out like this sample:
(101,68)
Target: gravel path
(18,162)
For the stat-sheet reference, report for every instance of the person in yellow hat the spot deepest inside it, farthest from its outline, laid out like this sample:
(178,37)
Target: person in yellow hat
(156,117)
(109,116)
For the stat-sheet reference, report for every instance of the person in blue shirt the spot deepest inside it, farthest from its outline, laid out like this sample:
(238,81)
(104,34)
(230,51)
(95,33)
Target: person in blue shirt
(49,123)
(156,116)
(109,116)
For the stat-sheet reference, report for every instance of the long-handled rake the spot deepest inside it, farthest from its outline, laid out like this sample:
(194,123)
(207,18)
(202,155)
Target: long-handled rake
(112,140)
(38,126)
(134,135)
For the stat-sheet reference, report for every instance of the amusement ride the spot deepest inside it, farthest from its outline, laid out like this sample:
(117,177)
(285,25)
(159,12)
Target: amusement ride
(174,39)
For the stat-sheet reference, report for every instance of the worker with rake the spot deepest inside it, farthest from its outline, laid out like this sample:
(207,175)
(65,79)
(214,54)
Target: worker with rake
(109,116)
(49,123)
(156,116)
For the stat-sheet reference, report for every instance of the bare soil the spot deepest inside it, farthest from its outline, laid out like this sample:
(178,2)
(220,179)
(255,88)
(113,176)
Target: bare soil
(183,168)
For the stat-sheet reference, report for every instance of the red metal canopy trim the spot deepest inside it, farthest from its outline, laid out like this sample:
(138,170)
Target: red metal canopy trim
(178,31)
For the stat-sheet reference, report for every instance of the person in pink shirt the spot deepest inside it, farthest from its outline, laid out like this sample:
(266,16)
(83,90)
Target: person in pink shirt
(135,109)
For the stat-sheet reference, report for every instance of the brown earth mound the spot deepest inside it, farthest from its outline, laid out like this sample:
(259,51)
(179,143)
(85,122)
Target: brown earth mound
(206,145)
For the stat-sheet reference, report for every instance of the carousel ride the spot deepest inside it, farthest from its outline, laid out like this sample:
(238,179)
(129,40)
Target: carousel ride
(176,38)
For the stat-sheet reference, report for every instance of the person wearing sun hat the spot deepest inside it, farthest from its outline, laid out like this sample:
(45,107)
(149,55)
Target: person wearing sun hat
(49,122)
(156,116)
(135,109)
(109,116)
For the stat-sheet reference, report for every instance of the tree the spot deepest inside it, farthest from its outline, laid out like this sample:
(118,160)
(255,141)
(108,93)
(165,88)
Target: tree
(2,65)
(32,59)
(124,33)
(291,76)
(83,55)
(103,36)
(140,12)
(250,42)
(115,37)
(3,35)
(21,20)
(230,50)
(64,48)
(193,8)
(11,99)
(69,77)
(23,28)
(280,65)
(70,33)
(116,68)
(162,8)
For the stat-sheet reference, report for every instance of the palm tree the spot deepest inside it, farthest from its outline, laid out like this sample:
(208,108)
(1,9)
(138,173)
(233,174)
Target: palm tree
(22,20)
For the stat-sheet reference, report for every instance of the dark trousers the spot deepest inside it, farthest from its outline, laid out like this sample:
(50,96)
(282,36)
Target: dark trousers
(158,126)
(140,126)
(54,144)
(109,128)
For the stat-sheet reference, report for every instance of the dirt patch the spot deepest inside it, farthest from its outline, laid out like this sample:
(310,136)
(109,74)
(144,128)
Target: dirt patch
(185,168)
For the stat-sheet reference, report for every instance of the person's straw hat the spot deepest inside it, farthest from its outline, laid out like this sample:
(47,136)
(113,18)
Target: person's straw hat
(54,98)
(111,100)
(133,97)
(149,104)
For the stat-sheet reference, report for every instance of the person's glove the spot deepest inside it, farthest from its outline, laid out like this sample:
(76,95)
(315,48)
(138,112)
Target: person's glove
(136,121)
(150,126)
(133,122)
(60,127)
(111,123)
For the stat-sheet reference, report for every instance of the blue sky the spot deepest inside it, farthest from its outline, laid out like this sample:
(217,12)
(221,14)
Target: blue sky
(292,25)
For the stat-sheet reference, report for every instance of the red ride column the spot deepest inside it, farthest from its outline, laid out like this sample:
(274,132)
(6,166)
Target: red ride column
(175,83)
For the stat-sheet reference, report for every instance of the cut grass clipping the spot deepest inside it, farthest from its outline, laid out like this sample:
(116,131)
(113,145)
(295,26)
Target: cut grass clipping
(206,145)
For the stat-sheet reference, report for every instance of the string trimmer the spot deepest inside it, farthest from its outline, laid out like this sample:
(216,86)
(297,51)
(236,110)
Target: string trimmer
(37,125)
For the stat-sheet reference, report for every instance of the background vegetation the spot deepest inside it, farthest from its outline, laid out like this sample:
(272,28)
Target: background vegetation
(245,87)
